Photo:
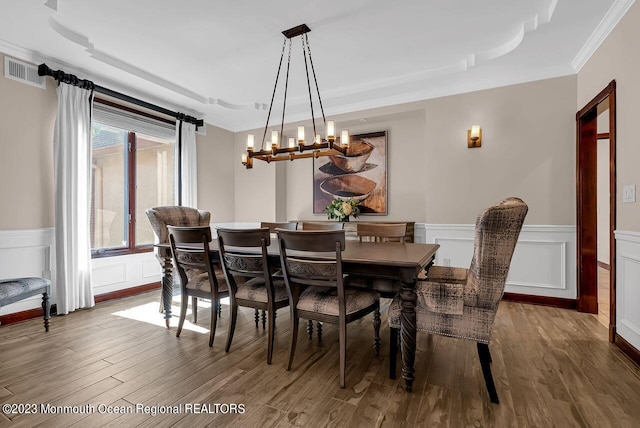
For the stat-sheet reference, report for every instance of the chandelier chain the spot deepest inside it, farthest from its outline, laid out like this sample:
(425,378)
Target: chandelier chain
(274,93)
(306,67)
(286,86)
(315,79)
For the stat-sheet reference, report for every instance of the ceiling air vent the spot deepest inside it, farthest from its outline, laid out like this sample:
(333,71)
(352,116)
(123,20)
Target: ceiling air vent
(23,72)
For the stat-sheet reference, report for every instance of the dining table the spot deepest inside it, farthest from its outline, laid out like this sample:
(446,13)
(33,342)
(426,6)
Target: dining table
(402,262)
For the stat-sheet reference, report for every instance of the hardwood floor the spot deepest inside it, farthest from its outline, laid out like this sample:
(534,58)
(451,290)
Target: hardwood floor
(552,367)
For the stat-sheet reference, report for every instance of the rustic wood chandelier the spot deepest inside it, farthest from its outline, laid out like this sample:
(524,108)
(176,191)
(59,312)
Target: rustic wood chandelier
(275,149)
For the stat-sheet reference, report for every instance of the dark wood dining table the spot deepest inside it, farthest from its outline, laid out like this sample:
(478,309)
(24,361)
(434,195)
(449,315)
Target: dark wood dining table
(399,261)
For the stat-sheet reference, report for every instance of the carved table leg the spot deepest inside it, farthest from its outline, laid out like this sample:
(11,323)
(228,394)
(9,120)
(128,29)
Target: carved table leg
(167,287)
(408,299)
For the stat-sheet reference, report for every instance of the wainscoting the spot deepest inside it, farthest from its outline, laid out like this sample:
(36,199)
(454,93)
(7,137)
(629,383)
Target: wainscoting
(32,253)
(628,286)
(27,253)
(543,263)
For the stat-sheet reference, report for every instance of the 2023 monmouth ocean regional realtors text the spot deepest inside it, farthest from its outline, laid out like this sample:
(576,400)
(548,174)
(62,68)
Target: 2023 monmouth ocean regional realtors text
(138,408)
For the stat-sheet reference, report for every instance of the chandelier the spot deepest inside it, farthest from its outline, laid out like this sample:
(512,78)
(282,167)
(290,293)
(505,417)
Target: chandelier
(297,148)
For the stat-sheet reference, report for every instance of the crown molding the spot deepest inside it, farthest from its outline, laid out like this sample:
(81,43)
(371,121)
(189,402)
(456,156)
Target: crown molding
(602,31)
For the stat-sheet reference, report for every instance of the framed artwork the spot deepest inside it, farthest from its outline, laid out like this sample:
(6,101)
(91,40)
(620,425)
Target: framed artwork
(361,174)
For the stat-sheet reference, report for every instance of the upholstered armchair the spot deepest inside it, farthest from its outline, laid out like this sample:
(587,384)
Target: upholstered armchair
(462,303)
(160,218)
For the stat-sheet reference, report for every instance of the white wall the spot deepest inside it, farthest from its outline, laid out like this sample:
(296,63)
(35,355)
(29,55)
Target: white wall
(627,289)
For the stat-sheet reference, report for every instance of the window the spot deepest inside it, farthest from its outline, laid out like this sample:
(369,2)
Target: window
(132,170)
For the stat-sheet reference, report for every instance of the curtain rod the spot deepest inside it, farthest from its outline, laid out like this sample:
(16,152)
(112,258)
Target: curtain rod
(61,76)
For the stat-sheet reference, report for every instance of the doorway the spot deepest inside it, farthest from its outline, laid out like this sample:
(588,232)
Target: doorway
(592,133)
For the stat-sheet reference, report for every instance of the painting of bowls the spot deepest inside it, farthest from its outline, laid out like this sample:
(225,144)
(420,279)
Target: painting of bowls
(356,157)
(347,187)
(360,174)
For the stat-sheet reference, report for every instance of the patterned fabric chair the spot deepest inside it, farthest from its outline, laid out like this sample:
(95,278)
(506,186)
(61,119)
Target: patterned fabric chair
(462,303)
(378,232)
(249,277)
(14,290)
(160,218)
(190,250)
(316,288)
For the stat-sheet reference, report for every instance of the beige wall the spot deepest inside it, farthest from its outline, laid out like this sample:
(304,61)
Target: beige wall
(255,188)
(27,116)
(619,58)
(528,150)
(216,192)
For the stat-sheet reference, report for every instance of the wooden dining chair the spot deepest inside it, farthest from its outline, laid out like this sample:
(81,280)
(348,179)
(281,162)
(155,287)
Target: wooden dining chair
(288,225)
(192,259)
(257,289)
(312,225)
(381,232)
(316,288)
(378,232)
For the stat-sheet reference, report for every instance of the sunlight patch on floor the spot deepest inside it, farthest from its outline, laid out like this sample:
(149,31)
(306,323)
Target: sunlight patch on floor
(149,314)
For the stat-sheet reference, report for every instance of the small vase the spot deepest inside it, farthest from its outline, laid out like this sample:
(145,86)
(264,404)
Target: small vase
(346,219)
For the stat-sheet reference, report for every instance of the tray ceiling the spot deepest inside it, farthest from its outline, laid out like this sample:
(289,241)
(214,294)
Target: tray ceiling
(218,59)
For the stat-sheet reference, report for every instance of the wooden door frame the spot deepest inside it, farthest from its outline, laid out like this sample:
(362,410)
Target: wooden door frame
(584,183)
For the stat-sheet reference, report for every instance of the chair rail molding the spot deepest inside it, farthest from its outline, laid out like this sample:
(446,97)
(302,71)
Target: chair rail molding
(627,289)
(25,253)
(543,264)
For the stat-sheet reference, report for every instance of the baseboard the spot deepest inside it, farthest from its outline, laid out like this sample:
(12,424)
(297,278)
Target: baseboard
(556,302)
(604,265)
(21,316)
(37,312)
(126,292)
(628,349)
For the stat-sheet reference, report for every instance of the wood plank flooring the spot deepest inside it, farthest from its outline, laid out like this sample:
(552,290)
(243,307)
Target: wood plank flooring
(552,367)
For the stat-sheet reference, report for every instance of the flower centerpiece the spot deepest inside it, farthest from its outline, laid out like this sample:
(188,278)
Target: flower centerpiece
(340,209)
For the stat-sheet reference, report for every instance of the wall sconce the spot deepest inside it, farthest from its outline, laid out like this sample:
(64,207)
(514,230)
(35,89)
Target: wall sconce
(474,137)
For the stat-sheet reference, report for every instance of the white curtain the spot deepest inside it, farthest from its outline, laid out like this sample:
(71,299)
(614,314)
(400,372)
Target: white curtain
(189,165)
(72,174)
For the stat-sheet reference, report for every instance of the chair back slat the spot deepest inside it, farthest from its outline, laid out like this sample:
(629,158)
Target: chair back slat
(316,257)
(310,225)
(233,245)
(289,225)
(381,232)
(190,250)
(312,240)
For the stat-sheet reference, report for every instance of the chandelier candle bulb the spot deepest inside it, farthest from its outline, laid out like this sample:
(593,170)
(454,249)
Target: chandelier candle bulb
(250,142)
(301,134)
(344,139)
(331,130)
(292,142)
(274,138)
(318,139)
(244,158)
